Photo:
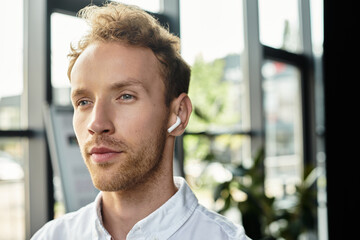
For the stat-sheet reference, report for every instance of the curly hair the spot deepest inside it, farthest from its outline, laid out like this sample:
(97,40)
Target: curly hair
(115,22)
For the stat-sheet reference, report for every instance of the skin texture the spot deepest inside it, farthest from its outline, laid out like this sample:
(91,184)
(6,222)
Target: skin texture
(120,120)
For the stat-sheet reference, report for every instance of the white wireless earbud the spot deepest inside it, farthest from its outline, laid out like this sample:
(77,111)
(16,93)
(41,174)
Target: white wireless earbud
(175,125)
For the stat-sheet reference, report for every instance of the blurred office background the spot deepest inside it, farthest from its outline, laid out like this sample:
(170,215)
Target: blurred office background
(264,145)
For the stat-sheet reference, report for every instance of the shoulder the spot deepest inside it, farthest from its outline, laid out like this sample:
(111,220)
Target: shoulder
(67,225)
(207,224)
(217,225)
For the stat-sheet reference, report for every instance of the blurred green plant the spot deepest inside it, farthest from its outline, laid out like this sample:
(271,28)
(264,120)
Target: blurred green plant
(262,216)
(212,104)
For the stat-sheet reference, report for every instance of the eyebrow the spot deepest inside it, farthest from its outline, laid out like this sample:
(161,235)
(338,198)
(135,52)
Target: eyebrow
(78,92)
(113,87)
(126,83)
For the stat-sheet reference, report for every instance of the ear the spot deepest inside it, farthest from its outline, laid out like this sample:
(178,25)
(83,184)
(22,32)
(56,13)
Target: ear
(181,107)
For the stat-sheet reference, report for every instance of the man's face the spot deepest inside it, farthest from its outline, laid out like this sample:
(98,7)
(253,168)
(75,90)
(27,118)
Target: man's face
(120,116)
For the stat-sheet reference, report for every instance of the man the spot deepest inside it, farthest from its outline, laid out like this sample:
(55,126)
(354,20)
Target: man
(129,92)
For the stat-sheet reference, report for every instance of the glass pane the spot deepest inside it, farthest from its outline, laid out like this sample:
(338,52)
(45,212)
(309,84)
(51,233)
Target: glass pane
(317,26)
(209,161)
(279,24)
(65,29)
(214,48)
(11,64)
(12,189)
(148,5)
(212,41)
(283,127)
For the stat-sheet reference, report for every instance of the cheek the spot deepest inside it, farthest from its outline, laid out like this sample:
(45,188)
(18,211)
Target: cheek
(79,126)
(133,125)
(142,124)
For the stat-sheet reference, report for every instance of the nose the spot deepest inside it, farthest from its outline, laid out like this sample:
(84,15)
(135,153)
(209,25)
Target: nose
(101,120)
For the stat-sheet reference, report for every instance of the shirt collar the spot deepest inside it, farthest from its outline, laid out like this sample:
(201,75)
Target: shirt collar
(99,231)
(164,221)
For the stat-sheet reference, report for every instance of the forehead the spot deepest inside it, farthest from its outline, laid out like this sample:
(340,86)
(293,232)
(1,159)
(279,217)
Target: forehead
(113,62)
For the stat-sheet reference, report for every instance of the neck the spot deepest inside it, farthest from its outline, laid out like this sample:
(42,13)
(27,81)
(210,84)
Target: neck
(121,210)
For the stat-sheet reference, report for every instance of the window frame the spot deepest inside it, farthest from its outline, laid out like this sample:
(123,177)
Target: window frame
(304,61)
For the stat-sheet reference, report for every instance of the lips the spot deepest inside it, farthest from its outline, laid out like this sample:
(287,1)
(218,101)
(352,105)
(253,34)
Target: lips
(103,154)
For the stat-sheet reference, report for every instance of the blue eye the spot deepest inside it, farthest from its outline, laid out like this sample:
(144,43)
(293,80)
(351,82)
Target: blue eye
(126,97)
(83,102)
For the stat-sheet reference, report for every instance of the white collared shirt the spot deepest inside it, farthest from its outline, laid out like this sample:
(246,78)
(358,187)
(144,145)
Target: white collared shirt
(181,217)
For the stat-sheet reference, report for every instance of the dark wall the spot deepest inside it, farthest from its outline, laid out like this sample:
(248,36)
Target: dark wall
(341,80)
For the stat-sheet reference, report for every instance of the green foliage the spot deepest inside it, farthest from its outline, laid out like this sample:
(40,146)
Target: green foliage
(256,207)
(210,96)
(244,189)
(260,212)
(213,109)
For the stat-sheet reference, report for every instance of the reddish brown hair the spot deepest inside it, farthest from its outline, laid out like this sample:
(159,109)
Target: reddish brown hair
(115,22)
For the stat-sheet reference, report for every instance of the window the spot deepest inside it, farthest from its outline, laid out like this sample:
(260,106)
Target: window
(12,188)
(213,45)
(288,95)
(65,29)
(11,65)
(153,6)
(219,145)
(283,127)
(12,160)
(279,24)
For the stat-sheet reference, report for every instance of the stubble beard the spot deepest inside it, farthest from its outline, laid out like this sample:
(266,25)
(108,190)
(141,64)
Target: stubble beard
(138,164)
